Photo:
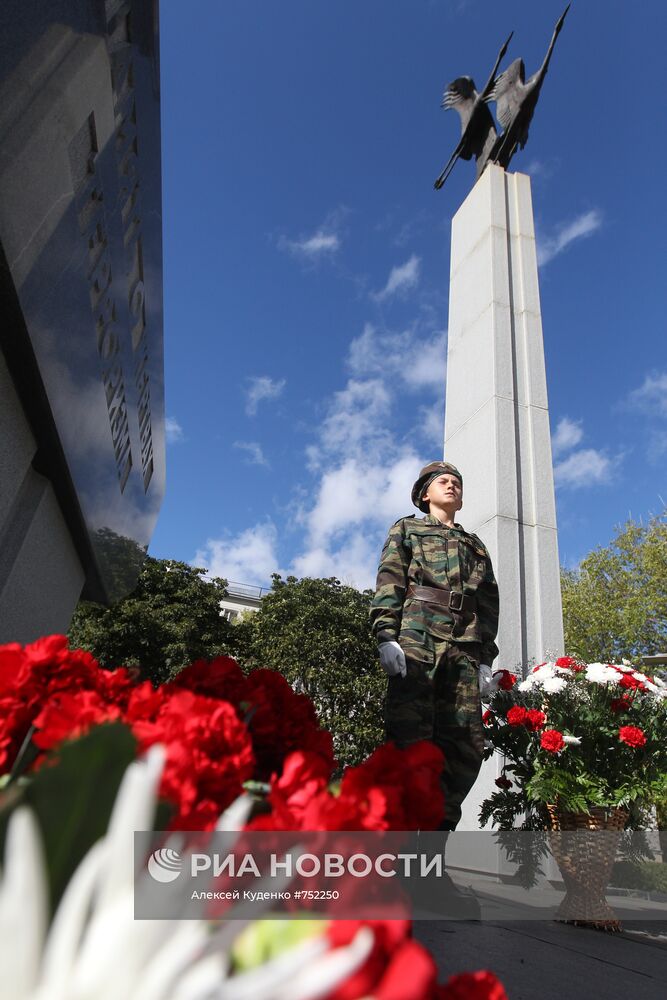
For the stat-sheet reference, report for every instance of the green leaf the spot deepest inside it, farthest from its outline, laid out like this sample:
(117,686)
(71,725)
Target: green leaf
(72,796)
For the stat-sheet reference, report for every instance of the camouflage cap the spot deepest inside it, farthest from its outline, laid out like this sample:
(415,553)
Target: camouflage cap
(426,476)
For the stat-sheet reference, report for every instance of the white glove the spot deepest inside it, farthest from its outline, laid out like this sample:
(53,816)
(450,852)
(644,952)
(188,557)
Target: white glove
(392,659)
(487,685)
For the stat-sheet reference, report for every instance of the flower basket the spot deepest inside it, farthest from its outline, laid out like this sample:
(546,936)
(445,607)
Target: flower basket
(590,738)
(585,860)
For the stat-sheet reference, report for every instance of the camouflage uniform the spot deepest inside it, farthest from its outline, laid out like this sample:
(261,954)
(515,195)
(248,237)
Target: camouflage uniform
(439,697)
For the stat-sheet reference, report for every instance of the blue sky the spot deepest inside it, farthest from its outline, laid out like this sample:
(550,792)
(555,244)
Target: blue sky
(306,262)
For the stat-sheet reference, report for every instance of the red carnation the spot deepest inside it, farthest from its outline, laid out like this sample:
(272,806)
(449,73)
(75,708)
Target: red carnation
(69,715)
(480,985)
(631,683)
(487,718)
(50,650)
(517,715)
(209,751)
(281,721)
(536,720)
(552,740)
(622,704)
(632,735)
(570,663)
(218,678)
(503,782)
(398,966)
(507,680)
(392,790)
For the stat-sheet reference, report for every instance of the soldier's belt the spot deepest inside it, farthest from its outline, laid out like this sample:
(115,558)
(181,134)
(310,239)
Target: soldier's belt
(452,599)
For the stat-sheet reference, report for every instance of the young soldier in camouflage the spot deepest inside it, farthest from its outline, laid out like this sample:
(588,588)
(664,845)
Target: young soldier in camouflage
(435,617)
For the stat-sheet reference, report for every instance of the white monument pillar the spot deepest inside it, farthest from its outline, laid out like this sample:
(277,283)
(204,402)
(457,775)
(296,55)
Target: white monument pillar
(497,421)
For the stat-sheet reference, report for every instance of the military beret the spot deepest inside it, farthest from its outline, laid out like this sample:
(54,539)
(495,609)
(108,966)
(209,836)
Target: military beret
(426,476)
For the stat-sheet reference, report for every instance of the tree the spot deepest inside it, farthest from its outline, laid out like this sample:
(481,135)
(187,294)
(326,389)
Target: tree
(316,633)
(615,603)
(171,618)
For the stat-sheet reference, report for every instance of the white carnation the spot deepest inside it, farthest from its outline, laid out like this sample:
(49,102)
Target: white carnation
(552,685)
(546,670)
(601,673)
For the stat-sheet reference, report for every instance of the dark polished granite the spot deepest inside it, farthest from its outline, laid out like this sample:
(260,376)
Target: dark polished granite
(81,266)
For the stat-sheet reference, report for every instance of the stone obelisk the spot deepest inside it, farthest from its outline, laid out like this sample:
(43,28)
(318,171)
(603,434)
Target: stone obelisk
(497,422)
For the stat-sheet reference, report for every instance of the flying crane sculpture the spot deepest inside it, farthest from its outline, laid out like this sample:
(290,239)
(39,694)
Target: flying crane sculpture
(515,99)
(478,130)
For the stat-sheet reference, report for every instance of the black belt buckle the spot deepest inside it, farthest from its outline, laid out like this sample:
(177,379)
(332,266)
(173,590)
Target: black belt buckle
(455,601)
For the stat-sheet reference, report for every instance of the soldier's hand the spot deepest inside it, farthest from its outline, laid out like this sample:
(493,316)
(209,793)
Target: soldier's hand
(392,659)
(487,685)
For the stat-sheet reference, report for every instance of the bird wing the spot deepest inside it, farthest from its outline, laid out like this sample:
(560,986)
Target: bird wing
(462,96)
(508,92)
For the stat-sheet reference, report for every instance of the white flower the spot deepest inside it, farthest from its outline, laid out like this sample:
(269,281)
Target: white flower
(601,673)
(545,676)
(653,688)
(545,670)
(573,741)
(660,687)
(96,950)
(553,685)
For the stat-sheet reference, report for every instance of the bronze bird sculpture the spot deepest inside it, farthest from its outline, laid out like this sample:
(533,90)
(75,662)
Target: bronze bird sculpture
(478,130)
(516,99)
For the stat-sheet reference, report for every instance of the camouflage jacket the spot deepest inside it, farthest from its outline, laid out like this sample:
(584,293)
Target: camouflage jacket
(425,553)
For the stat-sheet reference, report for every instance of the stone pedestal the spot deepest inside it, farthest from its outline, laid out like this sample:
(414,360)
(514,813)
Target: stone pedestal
(497,421)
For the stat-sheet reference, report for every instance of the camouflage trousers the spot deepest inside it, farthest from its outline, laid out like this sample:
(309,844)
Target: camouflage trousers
(439,700)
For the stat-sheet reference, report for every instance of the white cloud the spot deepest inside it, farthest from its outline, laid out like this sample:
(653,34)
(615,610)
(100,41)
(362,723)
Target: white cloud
(367,471)
(400,279)
(354,505)
(651,396)
(583,225)
(173,430)
(541,168)
(355,423)
(320,244)
(248,557)
(650,399)
(255,454)
(585,467)
(568,433)
(362,470)
(262,387)
(361,491)
(354,564)
(419,362)
(432,423)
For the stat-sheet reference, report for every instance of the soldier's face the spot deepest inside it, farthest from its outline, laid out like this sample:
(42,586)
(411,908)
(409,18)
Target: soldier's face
(445,492)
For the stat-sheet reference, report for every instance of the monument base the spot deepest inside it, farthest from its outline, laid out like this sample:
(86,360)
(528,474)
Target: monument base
(41,576)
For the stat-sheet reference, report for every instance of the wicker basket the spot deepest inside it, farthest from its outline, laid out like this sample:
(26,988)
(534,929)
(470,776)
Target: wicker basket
(585,849)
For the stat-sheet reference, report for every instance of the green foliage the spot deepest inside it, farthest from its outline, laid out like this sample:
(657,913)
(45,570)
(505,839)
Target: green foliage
(316,633)
(649,876)
(615,603)
(72,798)
(171,618)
